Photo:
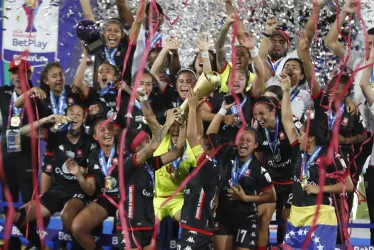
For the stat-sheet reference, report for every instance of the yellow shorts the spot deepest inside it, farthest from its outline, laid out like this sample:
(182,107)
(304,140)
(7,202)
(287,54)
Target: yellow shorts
(170,208)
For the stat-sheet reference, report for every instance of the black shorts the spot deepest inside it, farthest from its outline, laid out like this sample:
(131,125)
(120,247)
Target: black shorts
(107,205)
(193,240)
(54,201)
(284,195)
(143,237)
(245,234)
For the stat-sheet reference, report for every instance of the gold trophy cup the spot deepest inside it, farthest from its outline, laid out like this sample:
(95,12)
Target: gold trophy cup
(206,84)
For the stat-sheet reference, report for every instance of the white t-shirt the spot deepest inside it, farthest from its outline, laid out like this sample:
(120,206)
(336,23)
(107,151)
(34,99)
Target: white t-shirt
(158,41)
(301,103)
(355,61)
(278,67)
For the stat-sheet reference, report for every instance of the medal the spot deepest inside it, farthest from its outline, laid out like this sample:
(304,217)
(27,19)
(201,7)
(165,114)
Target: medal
(237,172)
(174,171)
(175,174)
(273,144)
(108,183)
(304,182)
(15,121)
(305,164)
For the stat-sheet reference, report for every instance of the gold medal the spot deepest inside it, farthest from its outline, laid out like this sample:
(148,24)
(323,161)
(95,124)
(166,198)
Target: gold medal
(15,121)
(108,183)
(304,181)
(175,174)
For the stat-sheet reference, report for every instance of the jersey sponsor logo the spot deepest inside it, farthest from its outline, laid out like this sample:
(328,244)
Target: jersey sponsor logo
(200,204)
(279,165)
(96,166)
(111,113)
(146,193)
(190,240)
(282,136)
(70,154)
(110,104)
(79,153)
(65,169)
(48,168)
(64,173)
(345,121)
(187,248)
(61,147)
(131,202)
(64,236)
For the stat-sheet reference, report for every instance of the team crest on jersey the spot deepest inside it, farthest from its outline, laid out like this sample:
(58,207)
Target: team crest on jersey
(70,154)
(282,136)
(115,161)
(79,153)
(345,121)
(70,101)
(48,168)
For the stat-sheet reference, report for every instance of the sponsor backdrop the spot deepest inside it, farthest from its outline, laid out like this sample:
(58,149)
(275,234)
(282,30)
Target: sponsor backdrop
(46,29)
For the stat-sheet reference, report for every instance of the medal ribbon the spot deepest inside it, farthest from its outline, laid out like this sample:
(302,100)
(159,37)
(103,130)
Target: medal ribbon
(333,118)
(106,166)
(138,105)
(295,92)
(109,55)
(237,173)
(175,164)
(273,144)
(156,39)
(274,66)
(59,108)
(151,173)
(307,161)
(13,110)
(234,109)
(105,90)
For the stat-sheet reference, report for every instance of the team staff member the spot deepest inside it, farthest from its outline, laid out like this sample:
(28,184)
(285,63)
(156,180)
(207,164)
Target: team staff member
(68,187)
(307,185)
(197,217)
(276,154)
(170,176)
(17,163)
(236,225)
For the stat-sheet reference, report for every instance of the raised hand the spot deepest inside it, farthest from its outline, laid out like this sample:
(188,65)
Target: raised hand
(94,109)
(73,167)
(141,91)
(271,24)
(171,115)
(193,101)
(172,43)
(350,6)
(236,193)
(248,41)
(285,82)
(38,92)
(230,19)
(203,42)
(303,43)
(227,106)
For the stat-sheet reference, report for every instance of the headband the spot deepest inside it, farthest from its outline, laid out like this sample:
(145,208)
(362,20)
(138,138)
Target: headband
(138,139)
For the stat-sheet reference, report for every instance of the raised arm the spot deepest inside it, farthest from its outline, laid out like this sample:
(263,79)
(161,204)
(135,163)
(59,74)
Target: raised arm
(26,130)
(87,10)
(271,24)
(137,24)
(125,13)
(309,27)
(78,85)
(147,152)
(217,120)
(179,147)
(203,45)
(170,44)
(230,9)
(35,91)
(331,40)
(365,79)
(287,118)
(192,131)
(220,44)
(303,51)
(258,84)
(149,116)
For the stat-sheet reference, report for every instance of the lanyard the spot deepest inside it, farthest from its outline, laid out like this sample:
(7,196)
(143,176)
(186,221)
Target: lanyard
(14,111)
(151,173)
(58,109)
(105,166)
(273,144)
(332,118)
(175,164)
(237,173)
(105,90)
(234,109)
(295,92)
(307,161)
(138,104)
(274,66)
(156,39)
(109,55)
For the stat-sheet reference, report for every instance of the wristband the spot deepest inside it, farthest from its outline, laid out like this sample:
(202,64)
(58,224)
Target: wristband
(222,111)
(205,54)
(143,98)
(254,52)
(266,35)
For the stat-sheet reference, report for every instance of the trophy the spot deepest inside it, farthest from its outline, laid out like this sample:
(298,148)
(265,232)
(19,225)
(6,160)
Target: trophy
(206,84)
(88,32)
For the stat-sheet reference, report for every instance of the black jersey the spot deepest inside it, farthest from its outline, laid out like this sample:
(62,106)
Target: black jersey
(338,169)
(255,178)
(63,149)
(7,111)
(140,181)
(107,102)
(350,125)
(51,105)
(137,120)
(281,163)
(199,197)
(171,97)
(246,102)
(118,55)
